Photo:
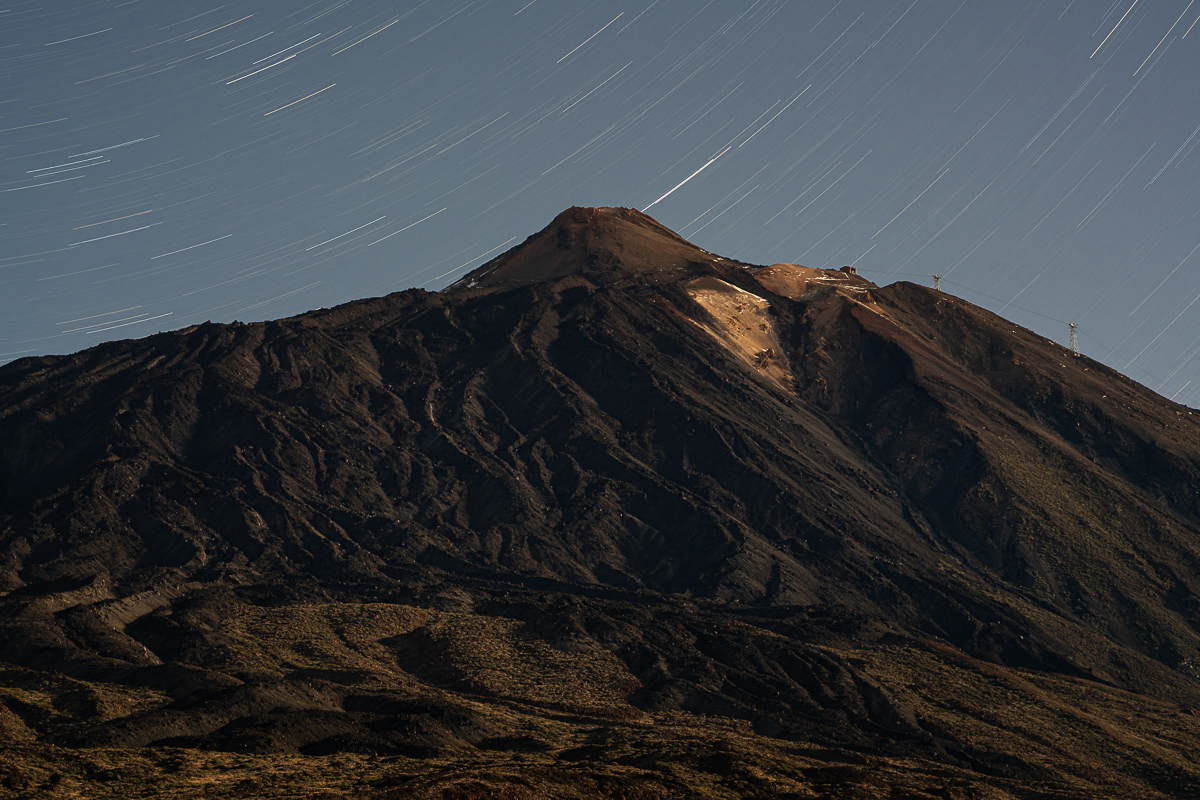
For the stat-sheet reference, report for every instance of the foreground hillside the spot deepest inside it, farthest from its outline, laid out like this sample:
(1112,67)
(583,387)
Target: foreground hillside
(612,516)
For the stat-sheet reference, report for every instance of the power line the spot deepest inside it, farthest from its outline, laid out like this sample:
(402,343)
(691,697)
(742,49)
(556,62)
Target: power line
(1111,352)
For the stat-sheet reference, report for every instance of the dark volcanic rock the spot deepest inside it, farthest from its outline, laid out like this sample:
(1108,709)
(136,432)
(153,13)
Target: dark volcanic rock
(589,433)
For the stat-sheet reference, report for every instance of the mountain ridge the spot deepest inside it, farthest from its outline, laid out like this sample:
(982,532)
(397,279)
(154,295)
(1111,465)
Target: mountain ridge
(750,492)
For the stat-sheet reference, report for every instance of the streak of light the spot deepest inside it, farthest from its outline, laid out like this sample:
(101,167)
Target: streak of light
(406,227)
(70,274)
(279,297)
(72,169)
(639,16)
(829,85)
(73,38)
(1164,280)
(1061,109)
(748,127)
(710,108)
(1172,158)
(109,322)
(238,279)
(832,231)
(30,255)
(964,210)
(175,61)
(1018,294)
(1069,124)
(56,166)
(894,24)
(115,146)
(284,50)
(584,147)
(972,251)
(114,219)
(1189,30)
(347,233)
(807,189)
(827,13)
(830,186)
(1186,361)
(731,205)
(469,135)
(1114,30)
(1060,202)
(915,199)
(593,36)
(688,178)
(989,122)
(606,80)
(1117,107)
(391,167)
(111,235)
(1163,39)
(1111,9)
(692,19)
(156,44)
(629,121)
(1189,152)
(435,25)
(476,258)
(772,119)
(180,250)
(264,69)
(1091,213)
(864,255)
(302,99)
(189,19)
(109,75)
(368,36)
(97,316)
(1164,330)
(935,33)
(831,44)
(992,72)
(214,30)
(47,183)
(324,13)
(391,137)
(135,322)
(527,5)
(243,44)
(1189,383)
(34,125)
(723,199)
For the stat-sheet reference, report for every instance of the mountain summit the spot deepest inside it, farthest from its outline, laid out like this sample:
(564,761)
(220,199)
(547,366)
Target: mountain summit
(602,243)
(607,494)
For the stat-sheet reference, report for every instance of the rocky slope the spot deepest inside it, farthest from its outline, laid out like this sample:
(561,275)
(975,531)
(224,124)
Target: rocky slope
(607,482)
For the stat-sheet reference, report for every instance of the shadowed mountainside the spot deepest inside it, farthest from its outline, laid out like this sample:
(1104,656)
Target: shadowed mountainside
(607,493)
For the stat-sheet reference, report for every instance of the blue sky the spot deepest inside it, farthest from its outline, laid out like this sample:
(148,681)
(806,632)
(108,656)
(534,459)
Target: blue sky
(163,164)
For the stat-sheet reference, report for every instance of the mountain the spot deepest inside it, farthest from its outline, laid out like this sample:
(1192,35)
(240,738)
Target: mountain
(610,516)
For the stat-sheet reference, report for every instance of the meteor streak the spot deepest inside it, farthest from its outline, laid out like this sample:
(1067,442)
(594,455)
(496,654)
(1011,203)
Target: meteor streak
(688,178)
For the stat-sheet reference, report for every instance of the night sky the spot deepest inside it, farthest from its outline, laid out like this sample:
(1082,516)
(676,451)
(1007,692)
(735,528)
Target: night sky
(166,163)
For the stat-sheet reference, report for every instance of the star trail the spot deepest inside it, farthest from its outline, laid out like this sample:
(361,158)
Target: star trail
(164,164)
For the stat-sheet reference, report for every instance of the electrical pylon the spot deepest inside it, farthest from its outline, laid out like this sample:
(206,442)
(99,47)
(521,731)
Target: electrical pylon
(1074,344)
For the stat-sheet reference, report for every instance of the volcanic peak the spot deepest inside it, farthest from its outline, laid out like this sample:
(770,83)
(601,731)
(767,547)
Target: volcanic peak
(746,504)
(603,243)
